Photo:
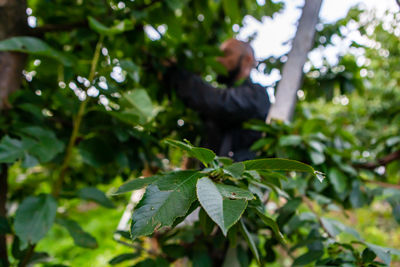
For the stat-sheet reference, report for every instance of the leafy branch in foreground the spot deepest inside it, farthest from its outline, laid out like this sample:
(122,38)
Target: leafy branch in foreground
(224,191)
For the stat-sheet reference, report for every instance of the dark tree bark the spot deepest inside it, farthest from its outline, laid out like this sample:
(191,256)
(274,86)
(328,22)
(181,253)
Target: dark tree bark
(3,211)
(292,73)
(13,22)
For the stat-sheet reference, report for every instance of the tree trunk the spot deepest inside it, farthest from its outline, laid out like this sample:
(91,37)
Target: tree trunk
(13,22)
(292,73)
(3,212)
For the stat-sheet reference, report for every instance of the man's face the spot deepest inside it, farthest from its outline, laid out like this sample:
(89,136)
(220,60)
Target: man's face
(231,60)
(231,55)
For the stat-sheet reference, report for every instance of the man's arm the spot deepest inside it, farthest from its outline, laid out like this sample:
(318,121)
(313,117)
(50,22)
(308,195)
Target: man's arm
(237,104)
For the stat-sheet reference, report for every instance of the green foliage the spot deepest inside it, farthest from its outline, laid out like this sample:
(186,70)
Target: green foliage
(224,208)
(35,46)
(164,201)
(94,194)
(206,156)
(92,111)
(81,238)
(34,218)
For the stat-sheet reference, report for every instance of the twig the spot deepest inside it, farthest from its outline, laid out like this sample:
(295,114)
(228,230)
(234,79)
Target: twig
(77,123)
(380,162)
(383,184)
(28,256)
(310,206)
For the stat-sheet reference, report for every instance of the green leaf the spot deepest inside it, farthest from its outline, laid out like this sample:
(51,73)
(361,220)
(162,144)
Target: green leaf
(12,149)
(81,238)
(249,241)
(225,160)
(100,28)
(203,154)
(234,192)
(273,177)
(308,257)
(137,183)
(317,146)
(338,180)
(393,140)
(165,200)
(29,161)
(175,4)
(335,227)
(262,143)
(382,252)
(231,257)
(123,257)
(139,104)
(235,170)
(271,223)
(368,255)
(126,116)
(96,152)
(231,9)
(281,165)
(94,194)
(47,146)
(131,68)
(34,218)
(206,224)
(317,157)
(34,46)
(215,200)
(290,140)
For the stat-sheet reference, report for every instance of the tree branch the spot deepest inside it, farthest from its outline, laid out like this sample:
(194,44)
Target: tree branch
(383,184)
(76,124)
(380,162)
(309,203)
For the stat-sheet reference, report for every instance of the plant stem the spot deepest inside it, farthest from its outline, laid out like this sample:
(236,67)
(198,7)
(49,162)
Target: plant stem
(77,123)
(309,203)
(28,256)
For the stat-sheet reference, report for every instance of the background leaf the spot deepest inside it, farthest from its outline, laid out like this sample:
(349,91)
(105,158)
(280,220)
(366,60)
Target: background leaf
(34,218)
(81,238)
(136,183)
(34,46)
(94,194)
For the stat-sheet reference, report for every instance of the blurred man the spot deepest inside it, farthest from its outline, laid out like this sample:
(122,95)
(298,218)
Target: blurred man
(225,110)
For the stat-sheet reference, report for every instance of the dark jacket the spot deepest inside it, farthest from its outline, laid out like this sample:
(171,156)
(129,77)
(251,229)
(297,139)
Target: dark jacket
(223,111)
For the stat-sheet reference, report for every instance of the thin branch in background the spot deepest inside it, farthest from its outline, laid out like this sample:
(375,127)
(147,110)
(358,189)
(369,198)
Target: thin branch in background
(383,184)
(28,256)
(310,206)
(380,162)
